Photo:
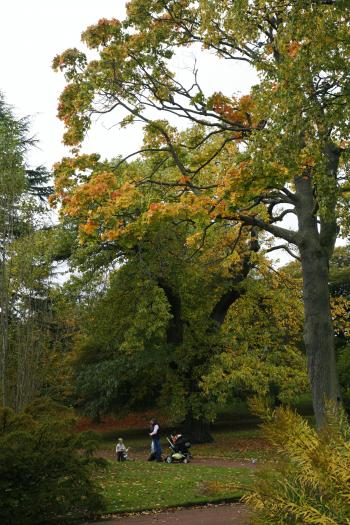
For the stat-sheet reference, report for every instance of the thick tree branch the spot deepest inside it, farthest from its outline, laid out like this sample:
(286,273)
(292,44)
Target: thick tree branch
(175,326)
(222,306)
(288,235)
(220,310)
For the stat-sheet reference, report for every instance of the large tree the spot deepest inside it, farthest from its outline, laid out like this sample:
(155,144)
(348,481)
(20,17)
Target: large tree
(170,330)
(155,299)
(172,285)
(291,130)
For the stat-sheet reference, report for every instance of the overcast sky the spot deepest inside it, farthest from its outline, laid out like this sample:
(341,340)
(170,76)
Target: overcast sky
(33,32)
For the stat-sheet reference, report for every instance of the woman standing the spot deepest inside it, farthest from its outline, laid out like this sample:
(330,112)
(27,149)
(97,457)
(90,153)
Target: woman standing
(156,449)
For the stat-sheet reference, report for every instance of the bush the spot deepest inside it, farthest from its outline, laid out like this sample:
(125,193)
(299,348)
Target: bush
(343,363)
(46,470)
(311,481)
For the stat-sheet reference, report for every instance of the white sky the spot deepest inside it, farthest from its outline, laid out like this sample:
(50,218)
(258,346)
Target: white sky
(32,32)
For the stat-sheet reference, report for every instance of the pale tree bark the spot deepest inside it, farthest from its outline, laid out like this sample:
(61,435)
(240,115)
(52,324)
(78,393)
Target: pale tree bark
(318,331)
(316,245)
(318,328)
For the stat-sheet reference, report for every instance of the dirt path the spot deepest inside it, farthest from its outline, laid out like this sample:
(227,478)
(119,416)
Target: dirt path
(223,462)
(234,514)
(204,461)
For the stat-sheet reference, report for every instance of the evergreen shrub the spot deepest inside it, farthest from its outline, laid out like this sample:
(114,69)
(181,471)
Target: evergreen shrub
(46,469)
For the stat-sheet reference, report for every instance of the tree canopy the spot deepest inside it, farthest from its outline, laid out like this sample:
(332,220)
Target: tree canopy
(281,149)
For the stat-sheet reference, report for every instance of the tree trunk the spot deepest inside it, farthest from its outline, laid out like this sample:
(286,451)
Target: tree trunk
(318,332)
(197,430)
(318,327)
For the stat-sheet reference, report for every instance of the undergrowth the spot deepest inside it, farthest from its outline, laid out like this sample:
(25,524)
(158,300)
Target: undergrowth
(311,481)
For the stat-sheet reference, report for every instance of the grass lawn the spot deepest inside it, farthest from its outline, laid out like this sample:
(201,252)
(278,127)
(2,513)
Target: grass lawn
(140,486)
(136,486)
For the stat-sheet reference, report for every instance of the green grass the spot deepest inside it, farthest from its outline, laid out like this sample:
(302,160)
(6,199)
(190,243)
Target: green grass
(140,486)
(136,486)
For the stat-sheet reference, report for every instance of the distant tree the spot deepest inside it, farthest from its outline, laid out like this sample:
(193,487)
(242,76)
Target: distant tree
(12,185)
(339,285)
(25,265)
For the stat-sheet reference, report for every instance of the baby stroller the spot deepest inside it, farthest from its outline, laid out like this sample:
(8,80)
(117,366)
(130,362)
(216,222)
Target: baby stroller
(179,450)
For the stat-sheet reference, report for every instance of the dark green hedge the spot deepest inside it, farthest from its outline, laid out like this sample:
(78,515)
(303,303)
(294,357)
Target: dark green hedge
(46,469)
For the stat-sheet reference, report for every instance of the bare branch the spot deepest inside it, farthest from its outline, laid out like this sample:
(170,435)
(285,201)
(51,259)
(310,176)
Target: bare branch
(145,150)
(284,247)
(281,216)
